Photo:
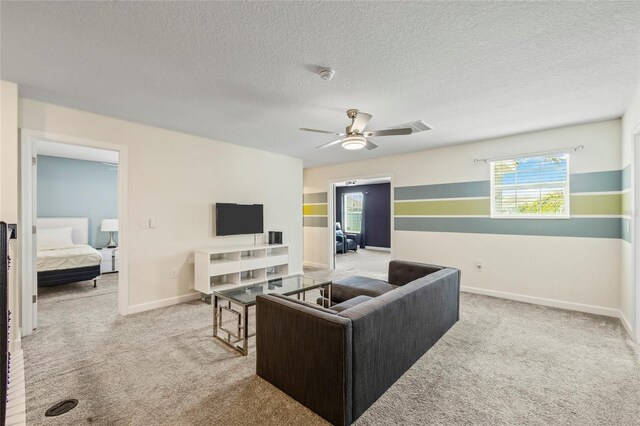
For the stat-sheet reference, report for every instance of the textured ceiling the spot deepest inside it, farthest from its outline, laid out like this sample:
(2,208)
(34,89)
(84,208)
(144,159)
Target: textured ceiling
(243,72)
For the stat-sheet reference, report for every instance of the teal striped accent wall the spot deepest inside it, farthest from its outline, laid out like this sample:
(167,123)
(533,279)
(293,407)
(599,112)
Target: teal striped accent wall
(443,190)
(597,203)
(627,208)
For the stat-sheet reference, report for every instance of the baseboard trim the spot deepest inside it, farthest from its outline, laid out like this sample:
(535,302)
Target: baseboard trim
(374,248)
(315,265)
(554,303)
(625,322)
(162,303)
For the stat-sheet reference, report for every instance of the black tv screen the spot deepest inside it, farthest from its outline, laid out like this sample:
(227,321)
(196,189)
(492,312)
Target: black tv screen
(237,219)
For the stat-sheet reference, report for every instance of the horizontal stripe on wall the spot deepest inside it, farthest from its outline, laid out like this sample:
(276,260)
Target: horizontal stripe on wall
(315,222)
(604,204)
(443,190)
(443,208)
(314,210)
(626,203)
(316,197)
(596,181)
(581,205)
(574,227)
(612,180)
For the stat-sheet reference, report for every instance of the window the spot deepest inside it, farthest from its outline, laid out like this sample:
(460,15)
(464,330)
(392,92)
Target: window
(531,187)
(352,205)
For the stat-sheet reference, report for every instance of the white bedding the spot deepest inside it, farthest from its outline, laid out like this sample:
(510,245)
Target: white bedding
(77,256)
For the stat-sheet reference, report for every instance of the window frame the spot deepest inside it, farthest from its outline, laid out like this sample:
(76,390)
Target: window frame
(344,212)
(567,191)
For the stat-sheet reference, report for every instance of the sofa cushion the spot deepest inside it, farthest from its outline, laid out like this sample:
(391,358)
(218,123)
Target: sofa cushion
(402,272)
(348,288)
(350,303)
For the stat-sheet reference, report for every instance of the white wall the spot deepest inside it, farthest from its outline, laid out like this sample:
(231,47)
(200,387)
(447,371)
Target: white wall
(572,272)
(176,178)
(9,189)
(628,301)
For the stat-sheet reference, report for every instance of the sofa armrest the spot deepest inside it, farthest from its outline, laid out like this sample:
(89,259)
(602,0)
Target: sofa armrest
(306,353)
(402,272)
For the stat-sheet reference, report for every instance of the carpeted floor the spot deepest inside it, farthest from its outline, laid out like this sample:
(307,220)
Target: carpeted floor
(504,363)
(353,262)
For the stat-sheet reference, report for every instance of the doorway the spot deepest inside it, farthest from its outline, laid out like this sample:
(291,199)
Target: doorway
(362,222)
(73,214)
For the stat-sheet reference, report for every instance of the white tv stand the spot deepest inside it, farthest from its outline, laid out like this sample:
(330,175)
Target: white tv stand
(226,267)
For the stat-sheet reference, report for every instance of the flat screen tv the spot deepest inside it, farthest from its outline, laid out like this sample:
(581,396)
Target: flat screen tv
(238,219)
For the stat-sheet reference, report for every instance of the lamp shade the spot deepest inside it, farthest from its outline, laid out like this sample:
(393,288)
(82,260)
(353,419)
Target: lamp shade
(109,225)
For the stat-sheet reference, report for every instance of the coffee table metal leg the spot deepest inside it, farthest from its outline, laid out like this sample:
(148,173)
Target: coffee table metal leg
(245,331)
(329,292)
(215,315)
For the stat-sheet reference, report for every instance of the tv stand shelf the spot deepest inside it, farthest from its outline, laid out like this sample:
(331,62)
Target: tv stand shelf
(227,267)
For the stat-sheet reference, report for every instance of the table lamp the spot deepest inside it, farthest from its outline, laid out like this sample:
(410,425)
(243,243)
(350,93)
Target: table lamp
(110,226)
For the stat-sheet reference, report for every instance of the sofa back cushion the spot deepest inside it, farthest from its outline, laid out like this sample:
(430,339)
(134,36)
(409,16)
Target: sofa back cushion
(402,272)
(392,331)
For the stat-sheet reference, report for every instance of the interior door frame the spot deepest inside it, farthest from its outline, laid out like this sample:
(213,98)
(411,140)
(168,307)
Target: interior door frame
(635,233)
(331,211)
(29,282)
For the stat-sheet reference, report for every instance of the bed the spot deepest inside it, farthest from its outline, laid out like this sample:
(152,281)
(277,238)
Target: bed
(64,255)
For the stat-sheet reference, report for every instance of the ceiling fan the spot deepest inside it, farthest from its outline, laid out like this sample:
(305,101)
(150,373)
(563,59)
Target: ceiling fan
(355,137)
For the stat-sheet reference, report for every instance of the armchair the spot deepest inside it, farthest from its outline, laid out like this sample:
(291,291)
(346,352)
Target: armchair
(347,241)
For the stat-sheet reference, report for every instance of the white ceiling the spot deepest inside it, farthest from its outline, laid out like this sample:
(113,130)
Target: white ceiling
(63,150)
(242,72)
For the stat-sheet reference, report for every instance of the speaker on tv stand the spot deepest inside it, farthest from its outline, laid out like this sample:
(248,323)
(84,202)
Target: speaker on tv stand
(275,237)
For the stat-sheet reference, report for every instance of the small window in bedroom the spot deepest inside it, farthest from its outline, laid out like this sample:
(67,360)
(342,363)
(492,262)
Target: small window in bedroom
(353,212)
(530,187)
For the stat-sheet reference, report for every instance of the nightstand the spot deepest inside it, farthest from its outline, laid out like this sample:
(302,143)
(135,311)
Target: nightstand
(110,260)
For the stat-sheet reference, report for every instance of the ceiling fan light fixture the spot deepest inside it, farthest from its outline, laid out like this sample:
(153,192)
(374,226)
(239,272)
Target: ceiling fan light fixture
(354,142)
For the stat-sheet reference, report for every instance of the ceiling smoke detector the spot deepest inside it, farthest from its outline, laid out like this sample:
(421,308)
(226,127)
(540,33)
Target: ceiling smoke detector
(326,74)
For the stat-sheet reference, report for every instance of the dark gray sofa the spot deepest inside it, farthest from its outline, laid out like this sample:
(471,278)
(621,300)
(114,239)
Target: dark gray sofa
(339,363)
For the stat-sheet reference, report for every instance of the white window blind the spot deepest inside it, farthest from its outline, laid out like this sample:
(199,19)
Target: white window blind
(530,187)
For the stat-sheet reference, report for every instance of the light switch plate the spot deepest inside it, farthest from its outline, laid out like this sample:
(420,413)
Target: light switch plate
(153,223)
(145,223)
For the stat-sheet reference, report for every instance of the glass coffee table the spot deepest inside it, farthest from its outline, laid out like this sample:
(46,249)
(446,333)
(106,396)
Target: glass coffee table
(235,302)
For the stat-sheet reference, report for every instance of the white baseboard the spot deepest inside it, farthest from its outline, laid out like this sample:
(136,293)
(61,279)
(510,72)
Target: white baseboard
(162,303)
(378,248)
(572,306)
(625,322)
(315,265)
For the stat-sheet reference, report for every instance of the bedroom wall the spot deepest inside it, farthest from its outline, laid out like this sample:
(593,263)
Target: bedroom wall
(9,190)
(572,263)
(69,187)
(176,178)
(377,212)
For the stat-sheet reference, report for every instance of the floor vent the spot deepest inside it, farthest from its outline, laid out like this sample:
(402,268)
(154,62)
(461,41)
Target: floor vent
(416,126)
(62,407)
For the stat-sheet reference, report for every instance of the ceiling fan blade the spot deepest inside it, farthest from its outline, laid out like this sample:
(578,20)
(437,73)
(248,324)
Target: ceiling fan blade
(370,145)
(322,131)
(360,122)
(329,144)
(390,132)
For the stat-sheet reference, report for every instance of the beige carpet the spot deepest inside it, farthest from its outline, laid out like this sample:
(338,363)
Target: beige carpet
(504,363)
